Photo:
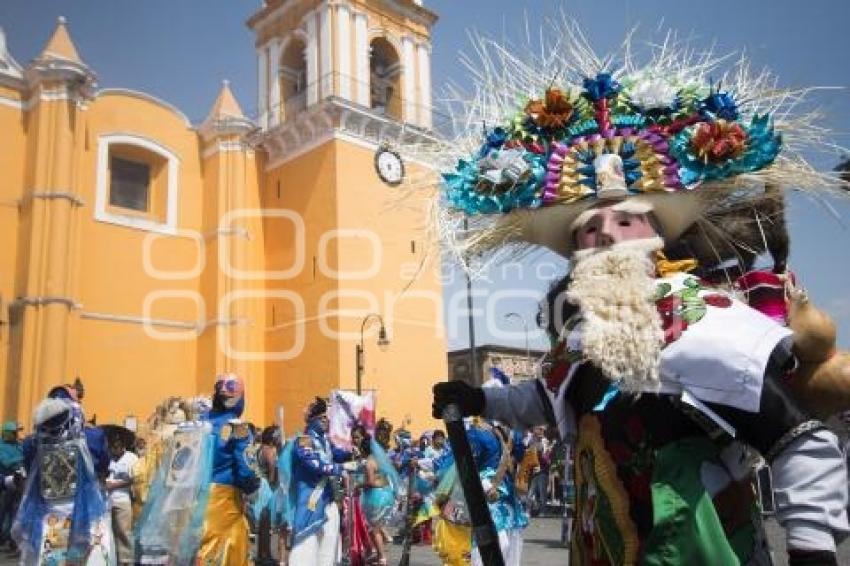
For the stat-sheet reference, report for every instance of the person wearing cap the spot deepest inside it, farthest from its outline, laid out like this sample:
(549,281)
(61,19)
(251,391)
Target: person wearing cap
(64,517)
(11,462)
(672,387)
(309,467)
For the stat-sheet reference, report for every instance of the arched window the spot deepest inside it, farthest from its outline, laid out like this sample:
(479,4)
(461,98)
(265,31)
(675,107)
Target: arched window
(136,183)
(293,78)
(385,78)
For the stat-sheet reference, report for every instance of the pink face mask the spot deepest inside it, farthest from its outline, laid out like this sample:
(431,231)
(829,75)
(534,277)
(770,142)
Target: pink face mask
(607,226)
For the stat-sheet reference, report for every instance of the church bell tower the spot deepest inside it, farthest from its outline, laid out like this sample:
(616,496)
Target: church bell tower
(343,87)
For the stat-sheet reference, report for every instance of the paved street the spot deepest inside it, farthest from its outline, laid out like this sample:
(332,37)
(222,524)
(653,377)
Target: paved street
(776,536)
(543,549)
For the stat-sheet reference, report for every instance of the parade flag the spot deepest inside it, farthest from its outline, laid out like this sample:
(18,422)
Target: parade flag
(346,409)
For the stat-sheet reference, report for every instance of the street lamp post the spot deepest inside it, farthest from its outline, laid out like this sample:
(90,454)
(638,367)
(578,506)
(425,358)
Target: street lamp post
(525,328)
(359,350)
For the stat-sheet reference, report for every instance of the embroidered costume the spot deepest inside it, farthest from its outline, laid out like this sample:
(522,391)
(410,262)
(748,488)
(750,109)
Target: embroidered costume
(496,451)
(672,385)
(194,511)
(64,513)
(308,466)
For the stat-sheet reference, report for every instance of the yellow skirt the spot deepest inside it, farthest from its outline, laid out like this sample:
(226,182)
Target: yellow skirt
(452,542)
(225,539)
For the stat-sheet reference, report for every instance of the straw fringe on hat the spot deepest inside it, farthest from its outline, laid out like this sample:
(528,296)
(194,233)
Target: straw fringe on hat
(552,130)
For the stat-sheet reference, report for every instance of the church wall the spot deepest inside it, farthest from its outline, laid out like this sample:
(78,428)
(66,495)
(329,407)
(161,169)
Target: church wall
(129,367)
(254,307)
(233,283)
(393,270)
(303,360)
(12,154)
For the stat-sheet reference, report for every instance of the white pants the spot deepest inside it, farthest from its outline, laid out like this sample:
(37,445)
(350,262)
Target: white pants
(511,544)
(322,547)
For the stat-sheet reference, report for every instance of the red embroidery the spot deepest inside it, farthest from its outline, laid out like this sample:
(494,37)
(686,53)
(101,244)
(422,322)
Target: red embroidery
(684,307)
(557,374)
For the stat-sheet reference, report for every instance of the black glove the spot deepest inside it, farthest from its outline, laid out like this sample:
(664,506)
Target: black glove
(469,399)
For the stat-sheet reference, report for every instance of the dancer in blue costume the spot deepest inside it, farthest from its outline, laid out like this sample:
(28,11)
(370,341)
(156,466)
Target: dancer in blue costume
(494,451)
(494,454)
(195,506)
(307,467)
(380,488)
(402,454)
(225,538)
(264,507)
(64,514)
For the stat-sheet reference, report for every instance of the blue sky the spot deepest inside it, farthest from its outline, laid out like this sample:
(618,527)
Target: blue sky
(181,50)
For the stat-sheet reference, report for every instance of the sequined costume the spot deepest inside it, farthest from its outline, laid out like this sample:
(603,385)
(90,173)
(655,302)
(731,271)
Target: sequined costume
(194,511)
(307,467)
(64,513)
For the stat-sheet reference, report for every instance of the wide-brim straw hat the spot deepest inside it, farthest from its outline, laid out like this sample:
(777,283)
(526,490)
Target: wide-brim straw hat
(566,130)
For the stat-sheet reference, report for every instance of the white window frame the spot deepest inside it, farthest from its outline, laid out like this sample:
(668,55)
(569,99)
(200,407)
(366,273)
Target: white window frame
(104,213)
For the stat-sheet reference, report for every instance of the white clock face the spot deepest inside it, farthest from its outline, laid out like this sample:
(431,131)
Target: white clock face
(390,167)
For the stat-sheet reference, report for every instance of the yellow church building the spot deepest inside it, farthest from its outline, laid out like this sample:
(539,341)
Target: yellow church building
(146,254)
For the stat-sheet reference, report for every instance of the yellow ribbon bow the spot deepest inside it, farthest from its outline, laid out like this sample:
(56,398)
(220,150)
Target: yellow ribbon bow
(666,267)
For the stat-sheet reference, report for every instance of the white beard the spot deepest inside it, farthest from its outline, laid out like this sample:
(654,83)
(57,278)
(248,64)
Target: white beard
(621,330)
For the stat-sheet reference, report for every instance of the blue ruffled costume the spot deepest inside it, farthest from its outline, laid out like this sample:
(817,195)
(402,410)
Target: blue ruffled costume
(378,502)
(202,455)
(507,512)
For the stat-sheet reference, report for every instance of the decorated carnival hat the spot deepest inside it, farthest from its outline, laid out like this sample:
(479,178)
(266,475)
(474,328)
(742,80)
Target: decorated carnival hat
(199,406)
(548,139)
(58,414)
(68,392)
(52,412)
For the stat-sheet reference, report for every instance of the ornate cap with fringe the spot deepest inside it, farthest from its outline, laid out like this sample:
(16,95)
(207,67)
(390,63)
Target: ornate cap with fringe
(548,136)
